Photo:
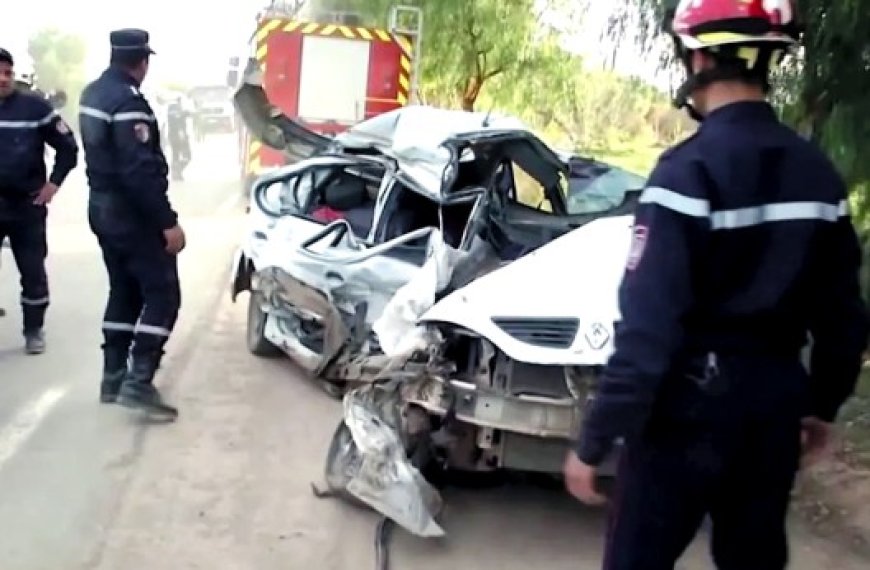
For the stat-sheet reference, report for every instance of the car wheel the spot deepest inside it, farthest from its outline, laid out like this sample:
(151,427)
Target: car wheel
(257,342)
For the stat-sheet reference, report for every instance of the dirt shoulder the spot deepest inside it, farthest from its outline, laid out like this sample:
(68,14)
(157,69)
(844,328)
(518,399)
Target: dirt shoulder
(834,497)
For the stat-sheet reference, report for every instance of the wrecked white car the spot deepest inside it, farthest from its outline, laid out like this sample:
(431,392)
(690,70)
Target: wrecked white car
(333,237)
(450,274)
(491,359)
(493,376)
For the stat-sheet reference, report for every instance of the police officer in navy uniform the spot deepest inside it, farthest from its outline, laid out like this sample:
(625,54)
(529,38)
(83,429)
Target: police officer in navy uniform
(743,253)
(27,124)
(179,143)
(137,229)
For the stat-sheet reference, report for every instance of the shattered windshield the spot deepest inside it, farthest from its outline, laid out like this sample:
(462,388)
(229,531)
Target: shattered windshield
(600,188)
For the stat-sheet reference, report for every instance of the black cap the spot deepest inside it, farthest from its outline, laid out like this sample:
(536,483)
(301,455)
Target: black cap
(6,57)
(131,41)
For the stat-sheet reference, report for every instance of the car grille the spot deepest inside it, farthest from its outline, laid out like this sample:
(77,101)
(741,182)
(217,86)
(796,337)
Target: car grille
(547,333)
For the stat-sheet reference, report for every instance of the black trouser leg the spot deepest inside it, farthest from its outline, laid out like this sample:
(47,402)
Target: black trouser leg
(3,234)
(750,506)
(156,273)
(27,238)
(119,321)
(658,506)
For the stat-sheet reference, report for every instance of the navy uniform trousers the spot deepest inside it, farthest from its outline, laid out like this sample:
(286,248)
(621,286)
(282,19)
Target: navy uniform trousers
(25,229)
(144,291)
(725,445)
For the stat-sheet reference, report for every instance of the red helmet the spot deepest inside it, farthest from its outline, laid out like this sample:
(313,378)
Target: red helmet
(707,23)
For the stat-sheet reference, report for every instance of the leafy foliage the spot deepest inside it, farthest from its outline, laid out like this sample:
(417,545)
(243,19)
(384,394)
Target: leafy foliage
(58,60)
(822,91)
(466,43)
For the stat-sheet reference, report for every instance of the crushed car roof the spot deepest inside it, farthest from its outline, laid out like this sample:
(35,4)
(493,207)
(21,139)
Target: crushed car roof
(427,143)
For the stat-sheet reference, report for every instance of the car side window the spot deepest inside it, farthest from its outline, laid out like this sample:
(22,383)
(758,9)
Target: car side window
(528,192)
(349,193)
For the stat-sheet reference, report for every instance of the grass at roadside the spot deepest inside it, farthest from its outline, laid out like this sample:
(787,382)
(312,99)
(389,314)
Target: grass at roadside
(834,496)
(639,159)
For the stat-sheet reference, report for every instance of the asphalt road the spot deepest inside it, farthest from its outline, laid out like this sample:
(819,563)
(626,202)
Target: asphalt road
(84,486)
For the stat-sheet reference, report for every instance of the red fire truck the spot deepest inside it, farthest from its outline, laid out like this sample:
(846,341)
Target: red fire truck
(324,75)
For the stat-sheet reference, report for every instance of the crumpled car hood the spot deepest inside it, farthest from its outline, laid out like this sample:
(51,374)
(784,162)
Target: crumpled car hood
(575,276)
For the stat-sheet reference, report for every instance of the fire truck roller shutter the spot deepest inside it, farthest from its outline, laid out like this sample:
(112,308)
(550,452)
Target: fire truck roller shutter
(339,96)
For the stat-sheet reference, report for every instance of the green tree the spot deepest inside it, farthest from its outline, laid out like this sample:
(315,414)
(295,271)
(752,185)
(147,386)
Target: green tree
(468,43)
(508,57)
(822,90)
(58,60)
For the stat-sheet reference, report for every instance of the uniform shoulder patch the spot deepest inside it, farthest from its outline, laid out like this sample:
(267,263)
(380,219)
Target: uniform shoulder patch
(142,132)
(639,235)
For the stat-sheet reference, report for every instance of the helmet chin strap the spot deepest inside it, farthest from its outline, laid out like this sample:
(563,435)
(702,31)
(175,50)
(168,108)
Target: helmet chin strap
(681,99)
(724,70)
(695,81)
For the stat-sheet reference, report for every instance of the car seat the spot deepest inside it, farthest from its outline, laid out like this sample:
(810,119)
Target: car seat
(348,195)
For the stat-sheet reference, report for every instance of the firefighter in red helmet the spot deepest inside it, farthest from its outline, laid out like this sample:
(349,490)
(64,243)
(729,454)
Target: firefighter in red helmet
(743,250)
(734,39)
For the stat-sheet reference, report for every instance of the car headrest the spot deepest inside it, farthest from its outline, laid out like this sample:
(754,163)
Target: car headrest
(346,193)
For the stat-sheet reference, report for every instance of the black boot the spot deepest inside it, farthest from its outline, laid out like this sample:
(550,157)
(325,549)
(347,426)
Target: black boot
(138,391)
(114,370)
(34,342)
(111,385)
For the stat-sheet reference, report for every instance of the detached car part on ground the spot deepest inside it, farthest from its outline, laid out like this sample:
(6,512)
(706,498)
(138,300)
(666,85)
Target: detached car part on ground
(463,325)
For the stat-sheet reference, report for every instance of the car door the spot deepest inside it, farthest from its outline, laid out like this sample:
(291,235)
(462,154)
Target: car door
(344,283)
(523,219)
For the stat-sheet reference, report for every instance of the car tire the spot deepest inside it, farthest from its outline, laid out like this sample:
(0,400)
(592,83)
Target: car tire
(257,343)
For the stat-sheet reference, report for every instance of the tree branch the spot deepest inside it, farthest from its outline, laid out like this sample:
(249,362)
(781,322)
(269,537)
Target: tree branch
(493,73)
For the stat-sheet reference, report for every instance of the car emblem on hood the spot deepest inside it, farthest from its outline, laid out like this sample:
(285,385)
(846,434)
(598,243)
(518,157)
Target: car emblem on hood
(597,336)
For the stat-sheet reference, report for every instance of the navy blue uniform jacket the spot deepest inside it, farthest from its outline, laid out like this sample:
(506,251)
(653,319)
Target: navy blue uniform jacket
(27,124)
(742,245)
(125,164)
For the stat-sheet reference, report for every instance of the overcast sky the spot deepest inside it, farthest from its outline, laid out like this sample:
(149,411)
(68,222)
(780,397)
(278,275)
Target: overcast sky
(194,38)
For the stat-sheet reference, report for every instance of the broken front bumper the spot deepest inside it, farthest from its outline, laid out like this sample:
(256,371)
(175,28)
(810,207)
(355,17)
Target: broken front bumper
(533,416)
(535,432)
